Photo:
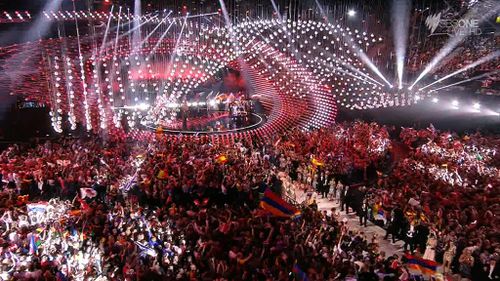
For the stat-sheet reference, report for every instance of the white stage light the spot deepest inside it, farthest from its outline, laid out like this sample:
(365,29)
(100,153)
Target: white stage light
(454,103)
(476,105)
(435,100)
(351,13)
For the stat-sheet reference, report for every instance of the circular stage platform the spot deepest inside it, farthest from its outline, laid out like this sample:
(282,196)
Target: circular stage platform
(216,123)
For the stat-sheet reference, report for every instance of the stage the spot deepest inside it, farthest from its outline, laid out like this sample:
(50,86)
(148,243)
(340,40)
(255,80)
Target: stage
(217,122)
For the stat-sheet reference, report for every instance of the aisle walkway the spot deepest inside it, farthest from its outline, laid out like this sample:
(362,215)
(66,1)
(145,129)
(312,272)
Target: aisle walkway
(353,222)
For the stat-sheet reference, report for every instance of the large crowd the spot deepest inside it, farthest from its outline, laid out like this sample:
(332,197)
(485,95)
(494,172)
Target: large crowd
(188,209)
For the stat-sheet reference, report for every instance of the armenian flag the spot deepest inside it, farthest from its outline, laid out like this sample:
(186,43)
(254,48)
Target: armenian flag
(423,266)
(299,274)
(275,205)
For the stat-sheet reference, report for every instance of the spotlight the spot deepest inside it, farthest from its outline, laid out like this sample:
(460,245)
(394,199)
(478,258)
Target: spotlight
(400,87)
(455,103)
(476,105)
(351,13)
(143,106)
(435,100)
(410,88)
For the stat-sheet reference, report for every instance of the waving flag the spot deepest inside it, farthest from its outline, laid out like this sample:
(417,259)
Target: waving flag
(130,183)
(34,243)
(145,250)
(151,243)
(221,159)
(272,203)
(88,192)
(423,266)
(317,163)
(162,175)
(381,215)
(39,207)
(63,163)
(299,274)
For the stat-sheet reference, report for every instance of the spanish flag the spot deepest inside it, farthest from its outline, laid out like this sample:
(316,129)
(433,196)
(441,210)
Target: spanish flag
(423,266)
(272,203)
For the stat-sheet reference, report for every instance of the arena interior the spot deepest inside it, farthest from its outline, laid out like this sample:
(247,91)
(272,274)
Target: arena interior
(250,140)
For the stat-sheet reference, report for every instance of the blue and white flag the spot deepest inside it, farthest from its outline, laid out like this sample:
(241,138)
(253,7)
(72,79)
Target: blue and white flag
(145,250)
(33,245)
(39,207)
(130,183)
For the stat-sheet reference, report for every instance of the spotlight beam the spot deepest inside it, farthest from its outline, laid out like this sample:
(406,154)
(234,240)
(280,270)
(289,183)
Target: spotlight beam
(131,30)
(174,51)
(400,24)
(358,77)
(160,39)
(366,60)
(372,66)
(88,122)
(352,68)
(321,10)
(482,60)
(360,53)
(281,23)
(262,44)
(114,54)
(106,32)
(136,36)
(234,43)
(120,25)
(38,29)
(459,37)
(41,26)
(139,46)
(467,80)
(117,32)
(275,7)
